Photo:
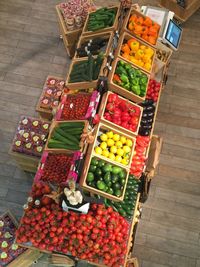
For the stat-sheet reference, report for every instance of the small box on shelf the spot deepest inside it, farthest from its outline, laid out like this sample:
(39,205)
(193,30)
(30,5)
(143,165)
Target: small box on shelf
(102,110)
(111,28)
(121,90)
(149,50)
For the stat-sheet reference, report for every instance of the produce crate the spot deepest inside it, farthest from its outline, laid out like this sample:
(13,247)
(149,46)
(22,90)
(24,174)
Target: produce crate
(20,257)
(86,38)
(119,89)
(85,84)
(94,100)
(70,38)
(125,37)
(120,128)
(166,51)
(112,28)
(102,128)
(133,262)
(181,13)
(133,11)
(72,174)
(46,113)
(56,123)
(25,162)
(85,170)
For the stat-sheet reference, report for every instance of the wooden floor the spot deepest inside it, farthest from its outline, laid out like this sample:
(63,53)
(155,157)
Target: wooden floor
(168,233)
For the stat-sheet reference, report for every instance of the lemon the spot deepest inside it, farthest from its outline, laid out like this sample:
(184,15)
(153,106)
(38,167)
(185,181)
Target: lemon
(103,145)
(118,158)
(113,149)
(110,142)
(98,150)
(129,143)
(105,153)
(104,137)
(123,139)
(111,156)
(124,161)
(116,137)
(126,149)
(109,134)
(120,152)
(118,144)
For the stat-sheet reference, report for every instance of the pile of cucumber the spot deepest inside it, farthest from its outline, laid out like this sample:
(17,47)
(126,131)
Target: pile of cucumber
(86,70)
(102,18)
(127,206)
(66,135)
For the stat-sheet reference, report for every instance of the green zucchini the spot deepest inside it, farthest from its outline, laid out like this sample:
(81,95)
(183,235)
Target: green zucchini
(71,138)
(78,124)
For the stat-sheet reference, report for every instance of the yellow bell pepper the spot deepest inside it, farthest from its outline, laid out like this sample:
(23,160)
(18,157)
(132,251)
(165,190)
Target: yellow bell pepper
(134,46)
(139,54)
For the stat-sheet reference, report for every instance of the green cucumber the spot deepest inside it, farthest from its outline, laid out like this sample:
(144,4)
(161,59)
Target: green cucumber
(68,137)
(78,124)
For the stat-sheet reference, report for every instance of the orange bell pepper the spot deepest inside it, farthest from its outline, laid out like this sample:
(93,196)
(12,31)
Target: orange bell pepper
(147,22)
(125,48)
(152,39)
(153,31)
(131,26)
(130,41)
(133,18)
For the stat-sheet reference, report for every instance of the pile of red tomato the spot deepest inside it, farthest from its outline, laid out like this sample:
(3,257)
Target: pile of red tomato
(153,90)
(56,168)
(99,236)
(76,106)
(139,158)
(121,112)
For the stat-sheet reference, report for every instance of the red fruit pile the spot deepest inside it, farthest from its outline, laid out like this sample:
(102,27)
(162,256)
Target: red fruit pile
(139,157)
(56,168)
(122,112)
(153,90)
(100,236)
(76,106)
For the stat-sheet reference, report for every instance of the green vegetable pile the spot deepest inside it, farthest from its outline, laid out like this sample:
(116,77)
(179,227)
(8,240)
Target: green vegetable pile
(127,206)
(66,135)
(130,78)
(102,18)
(87,70)
(106,177)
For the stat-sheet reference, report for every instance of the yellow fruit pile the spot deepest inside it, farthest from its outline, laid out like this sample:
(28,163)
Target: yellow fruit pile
(115,147)
(139,54)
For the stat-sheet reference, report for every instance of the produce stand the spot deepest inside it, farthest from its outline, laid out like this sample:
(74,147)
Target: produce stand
(87,189)
(181,13)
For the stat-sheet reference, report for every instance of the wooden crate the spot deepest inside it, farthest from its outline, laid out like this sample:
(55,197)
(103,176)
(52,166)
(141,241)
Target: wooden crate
(125,37)
(85,170)
(54,124)
(112,28)
(120,90)
(126,21)
(133,262)
(26,162)
(70,37)
(167,50)
(44,113)
(26,258)
(120,128)
(103,127)
(85,38)
(181,13)
(85,84)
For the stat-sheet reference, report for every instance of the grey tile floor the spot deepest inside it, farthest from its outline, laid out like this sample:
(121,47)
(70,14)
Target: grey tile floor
(30,49)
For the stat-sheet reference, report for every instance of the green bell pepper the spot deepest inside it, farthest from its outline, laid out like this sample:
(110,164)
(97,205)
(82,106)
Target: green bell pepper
(136,89)
(124,78)
(120,70)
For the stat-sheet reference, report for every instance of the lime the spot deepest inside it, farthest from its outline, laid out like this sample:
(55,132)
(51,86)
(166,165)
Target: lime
(129,143)
(111,156)
(114,178)
(94,161)
(113,149)
(123,139)
(110,142)
(116,170)
(116,186)
(90,177)
(122,174)
(118,158)
(101,163)
(92,168)
(101,185)
(116,137)
(107,168)
(117,193)
(107,177)
(98,150)
(98,172)
(110,191)
(120,152)
(105,153)
(109,134)
(103,145)
(103,137)
(123,181)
